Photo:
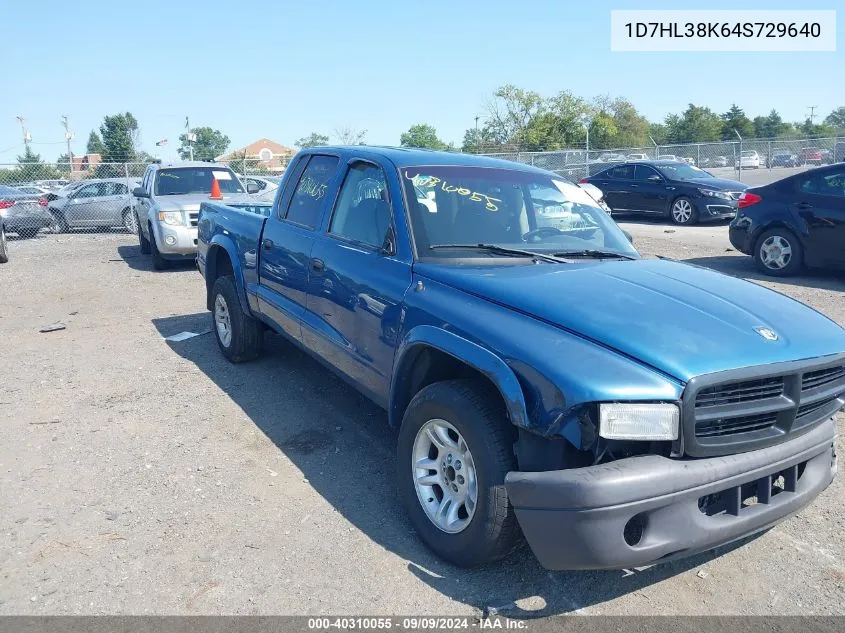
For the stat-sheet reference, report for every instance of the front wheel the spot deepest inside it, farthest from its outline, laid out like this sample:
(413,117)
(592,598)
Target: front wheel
(778,252)
(58,224)
(455,448)
(143,241)
(129,221)
(159,263)
(238,334)
(683,211)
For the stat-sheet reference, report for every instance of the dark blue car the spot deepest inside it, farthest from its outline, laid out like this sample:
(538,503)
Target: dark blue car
(544,378)
(668,189)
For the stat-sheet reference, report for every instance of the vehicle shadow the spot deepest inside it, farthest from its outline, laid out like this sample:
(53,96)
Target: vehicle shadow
(744,268)
(136,260)
(284,393)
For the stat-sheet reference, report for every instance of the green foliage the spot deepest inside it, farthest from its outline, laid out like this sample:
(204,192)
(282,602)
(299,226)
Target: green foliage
(312,140)
(209,144)
(424,136)
(119,133)
(63,164)
(808,128)
(696,125)
(836,119)
(735,119)
(29,167)
(95,144)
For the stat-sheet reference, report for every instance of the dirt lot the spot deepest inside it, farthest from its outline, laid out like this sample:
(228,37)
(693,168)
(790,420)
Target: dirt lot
(139,475)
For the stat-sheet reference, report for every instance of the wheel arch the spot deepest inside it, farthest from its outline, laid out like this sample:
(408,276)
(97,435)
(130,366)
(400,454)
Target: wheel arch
(221,259)
(429,354)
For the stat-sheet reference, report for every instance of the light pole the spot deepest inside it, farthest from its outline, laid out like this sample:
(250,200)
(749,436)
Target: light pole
(68,138)
(586,120)
(477,140)
(739,160)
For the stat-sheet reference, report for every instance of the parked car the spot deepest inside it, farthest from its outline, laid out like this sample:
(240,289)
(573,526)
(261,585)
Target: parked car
(793,222)
(716,161)
(545,380)
(4,249)
(168,206)
(23,213)
(34,190)
(259,184)
(612,157)
(810,156)
(638,157)
(668,188)
(689,160)
(668,157)
(101,202)
(826,156)
(748,159)
(784,159)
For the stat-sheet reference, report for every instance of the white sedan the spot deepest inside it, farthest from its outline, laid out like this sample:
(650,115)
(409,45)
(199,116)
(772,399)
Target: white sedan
(748,160)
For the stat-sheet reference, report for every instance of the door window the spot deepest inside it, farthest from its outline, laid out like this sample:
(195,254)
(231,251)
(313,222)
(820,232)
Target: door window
(623,172)
(643,172)
(90,191)
(362,213)
(115,189)
(310,193)
(830,184)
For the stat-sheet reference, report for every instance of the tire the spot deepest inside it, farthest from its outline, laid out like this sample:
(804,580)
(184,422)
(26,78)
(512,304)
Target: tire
(28,232)
(245,333)
(769,253)
(683,211)
(128,218)
(143,241)
(159,263)
(59,224)
(473,411)
(4,250)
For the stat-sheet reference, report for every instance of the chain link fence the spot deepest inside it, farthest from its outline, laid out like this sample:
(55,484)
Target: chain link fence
(726,159)
(78,196)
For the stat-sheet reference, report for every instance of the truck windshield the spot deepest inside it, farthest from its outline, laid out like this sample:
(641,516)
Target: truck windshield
(465,206)
(184,180)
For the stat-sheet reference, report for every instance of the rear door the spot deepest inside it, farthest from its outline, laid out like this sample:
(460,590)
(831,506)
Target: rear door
(820,201)
(616,183)
(357,281)
(286,242)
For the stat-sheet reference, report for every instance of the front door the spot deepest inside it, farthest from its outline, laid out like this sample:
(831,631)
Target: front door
(285,248)
(82,209)
(650,194)
(357,283)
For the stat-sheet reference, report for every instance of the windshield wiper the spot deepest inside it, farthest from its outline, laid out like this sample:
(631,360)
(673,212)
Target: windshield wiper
(590,252)
(503,250)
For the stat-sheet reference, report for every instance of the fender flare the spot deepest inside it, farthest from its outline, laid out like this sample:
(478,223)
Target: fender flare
(217,243)
(479,358)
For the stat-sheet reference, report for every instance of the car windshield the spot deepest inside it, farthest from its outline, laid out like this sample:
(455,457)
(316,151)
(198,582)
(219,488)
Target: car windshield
(749,154)
(683,171)
(505,207)
(185,180)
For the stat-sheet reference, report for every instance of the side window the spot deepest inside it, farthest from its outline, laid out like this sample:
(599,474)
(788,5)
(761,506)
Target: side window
(118,189)
(643,172)
(89,191)
(824,184)
(362,213)
(623,172)
(310,192)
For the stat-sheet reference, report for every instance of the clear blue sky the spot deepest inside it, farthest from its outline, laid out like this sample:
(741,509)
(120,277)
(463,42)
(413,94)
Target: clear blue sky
(256,68)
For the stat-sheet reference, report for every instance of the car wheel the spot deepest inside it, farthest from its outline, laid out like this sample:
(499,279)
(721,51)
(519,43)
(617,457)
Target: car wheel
(143,241)
(238,334)
(159,263)
(455,448)
(4,252)
(28,233)
(683,211)
(778,252)
(128,221)
(58,224)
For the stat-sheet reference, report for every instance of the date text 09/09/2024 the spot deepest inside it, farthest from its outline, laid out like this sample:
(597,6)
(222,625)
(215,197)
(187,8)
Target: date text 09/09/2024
(413,623)
(723,29)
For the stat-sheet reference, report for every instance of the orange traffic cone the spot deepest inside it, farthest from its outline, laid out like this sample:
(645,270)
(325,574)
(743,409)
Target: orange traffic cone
(215,190)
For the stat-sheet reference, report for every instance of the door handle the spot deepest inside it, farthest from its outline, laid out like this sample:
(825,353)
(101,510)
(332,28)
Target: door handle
(267,244)
(803,205)
(318,265)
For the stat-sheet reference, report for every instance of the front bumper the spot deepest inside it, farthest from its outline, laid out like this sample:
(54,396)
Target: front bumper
(175,242)
(641,510)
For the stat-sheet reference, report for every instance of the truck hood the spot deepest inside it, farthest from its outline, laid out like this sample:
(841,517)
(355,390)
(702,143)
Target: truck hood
(191,202)
(681,319)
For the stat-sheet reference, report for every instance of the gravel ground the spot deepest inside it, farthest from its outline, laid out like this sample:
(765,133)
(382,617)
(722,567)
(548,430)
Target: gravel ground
(141,476)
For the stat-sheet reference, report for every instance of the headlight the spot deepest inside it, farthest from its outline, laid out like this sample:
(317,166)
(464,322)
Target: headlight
(173,218)
(639,421)
(715,194)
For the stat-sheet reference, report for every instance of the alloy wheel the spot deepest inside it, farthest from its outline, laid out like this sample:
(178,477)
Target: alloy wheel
(222,321)
(682,211)
(775,252)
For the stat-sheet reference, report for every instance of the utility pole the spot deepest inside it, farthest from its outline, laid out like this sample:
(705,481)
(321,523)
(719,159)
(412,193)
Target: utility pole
(26,135)
(813,114)
(68,138)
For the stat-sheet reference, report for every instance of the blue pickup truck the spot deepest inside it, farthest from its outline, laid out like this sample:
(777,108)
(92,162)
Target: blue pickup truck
(546,380)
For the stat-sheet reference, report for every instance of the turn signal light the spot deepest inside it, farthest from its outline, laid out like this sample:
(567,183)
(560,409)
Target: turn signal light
(747,199)
(583,181)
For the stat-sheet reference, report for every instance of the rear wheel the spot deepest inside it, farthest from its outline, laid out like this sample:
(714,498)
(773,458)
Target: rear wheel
(778,252)
(4,253)
(455,448)
(238,334)
(159,263)
(683,211)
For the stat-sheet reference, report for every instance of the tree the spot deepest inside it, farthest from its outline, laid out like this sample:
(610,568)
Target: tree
(63,163)
(696,125)
(511,111)
(31,167)
(349,135)
(209,144)
(478,140)
(119,133)
(422,135)
(836,119)
(735,119)
(808,128)
(312,140)
(771,126)
(659,132)
(95,144)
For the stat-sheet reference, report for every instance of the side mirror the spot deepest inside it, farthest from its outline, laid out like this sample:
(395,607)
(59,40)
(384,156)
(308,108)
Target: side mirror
(140,192)
(251,187)
(629,236)
(655,178)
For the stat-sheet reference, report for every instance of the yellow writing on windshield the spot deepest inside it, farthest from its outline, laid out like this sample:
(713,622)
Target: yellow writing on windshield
(432,182)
